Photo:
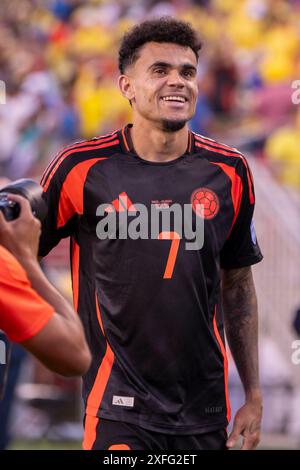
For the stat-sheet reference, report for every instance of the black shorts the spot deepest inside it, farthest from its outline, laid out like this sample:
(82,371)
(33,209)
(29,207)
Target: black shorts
(103,434)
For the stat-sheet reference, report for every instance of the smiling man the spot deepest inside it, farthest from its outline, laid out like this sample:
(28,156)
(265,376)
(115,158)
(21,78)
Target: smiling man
(153,310)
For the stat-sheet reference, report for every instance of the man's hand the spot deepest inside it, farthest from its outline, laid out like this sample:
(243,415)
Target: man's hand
(247,423)
(21,236)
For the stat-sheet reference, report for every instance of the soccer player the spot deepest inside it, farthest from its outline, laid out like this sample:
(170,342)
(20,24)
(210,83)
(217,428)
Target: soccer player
(32,312)
(152,309)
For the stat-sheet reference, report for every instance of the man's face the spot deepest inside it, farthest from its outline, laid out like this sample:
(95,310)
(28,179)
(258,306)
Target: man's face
(162,84)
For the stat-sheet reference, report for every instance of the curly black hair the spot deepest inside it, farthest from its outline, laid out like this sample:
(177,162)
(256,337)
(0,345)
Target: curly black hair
(165,29)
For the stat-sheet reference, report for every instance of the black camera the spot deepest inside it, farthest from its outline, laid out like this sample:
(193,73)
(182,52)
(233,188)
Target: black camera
(28,189)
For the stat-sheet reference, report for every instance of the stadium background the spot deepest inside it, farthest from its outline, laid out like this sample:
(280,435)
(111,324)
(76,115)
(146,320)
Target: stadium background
(58,70)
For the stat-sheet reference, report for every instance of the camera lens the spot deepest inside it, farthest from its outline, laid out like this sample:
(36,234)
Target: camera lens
(10,209)
(30,190)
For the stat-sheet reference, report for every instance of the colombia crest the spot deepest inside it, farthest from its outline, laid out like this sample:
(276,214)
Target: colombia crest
(205,203)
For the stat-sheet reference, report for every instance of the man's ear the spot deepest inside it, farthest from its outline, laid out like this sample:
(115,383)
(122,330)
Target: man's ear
(126,87)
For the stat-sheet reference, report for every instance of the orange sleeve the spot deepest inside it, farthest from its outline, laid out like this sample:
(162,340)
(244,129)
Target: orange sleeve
(23,313)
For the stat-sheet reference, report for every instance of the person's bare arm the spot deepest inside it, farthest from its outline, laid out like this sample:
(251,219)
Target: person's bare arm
(241,327)
(61,344)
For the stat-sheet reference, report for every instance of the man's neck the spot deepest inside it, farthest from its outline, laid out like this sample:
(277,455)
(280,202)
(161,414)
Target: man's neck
(156,145)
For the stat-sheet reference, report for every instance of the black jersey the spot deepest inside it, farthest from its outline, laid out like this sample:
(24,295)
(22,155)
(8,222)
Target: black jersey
(150,307)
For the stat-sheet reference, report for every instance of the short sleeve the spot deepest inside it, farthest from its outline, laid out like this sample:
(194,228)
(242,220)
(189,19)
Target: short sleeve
(60,197)
(63,185)
(241,247)
(23,313)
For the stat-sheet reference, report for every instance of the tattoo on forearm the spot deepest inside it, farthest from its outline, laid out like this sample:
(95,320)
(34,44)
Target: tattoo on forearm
(241,323)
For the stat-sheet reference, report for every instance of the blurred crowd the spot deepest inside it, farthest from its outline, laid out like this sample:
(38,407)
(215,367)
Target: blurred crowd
(58,84)
(58,61)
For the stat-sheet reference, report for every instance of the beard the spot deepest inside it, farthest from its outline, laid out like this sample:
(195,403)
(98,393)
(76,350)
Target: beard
(172,126)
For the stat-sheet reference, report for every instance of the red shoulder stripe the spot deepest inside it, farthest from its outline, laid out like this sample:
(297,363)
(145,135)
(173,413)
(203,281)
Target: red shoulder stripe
(230,154)
(77,150)
(71,194)
(213,143)
(74,146)
(219,150)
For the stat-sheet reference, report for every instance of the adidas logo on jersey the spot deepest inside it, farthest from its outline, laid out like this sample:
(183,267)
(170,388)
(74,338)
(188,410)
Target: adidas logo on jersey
(123,401)
(121,204)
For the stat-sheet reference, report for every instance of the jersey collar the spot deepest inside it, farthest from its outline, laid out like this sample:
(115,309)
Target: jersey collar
(127,145)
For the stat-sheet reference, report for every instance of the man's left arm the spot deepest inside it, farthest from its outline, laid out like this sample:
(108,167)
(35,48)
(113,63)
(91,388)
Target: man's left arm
(241,327)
